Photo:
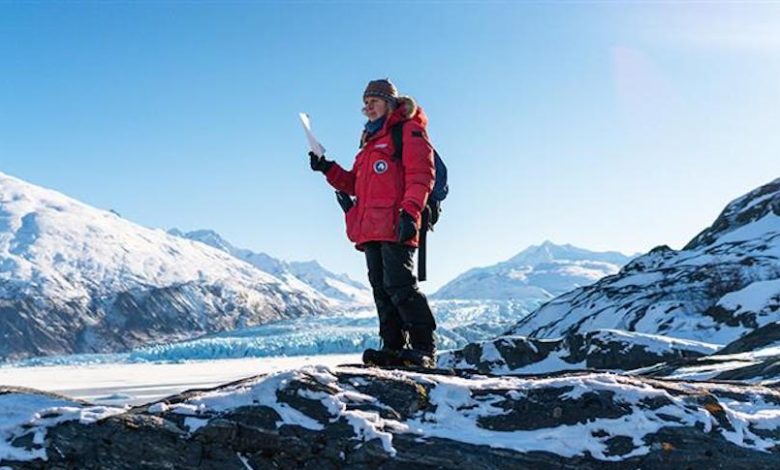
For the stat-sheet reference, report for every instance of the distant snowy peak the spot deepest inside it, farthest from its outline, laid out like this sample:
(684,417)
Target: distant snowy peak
(537,273)
(549,252)
(335,286)
(209,237)
(723,285)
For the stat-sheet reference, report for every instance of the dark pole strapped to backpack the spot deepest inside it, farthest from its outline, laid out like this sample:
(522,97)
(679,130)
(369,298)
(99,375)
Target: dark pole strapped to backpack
(398,142)
(421,258)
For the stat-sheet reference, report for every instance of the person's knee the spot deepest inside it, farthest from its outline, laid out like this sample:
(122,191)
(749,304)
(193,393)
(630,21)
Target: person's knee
(402,295)
(384,304)
(413,308)
(379,292)
(375,279)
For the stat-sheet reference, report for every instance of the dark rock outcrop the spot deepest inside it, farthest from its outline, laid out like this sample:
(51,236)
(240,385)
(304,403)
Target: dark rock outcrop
(755,367)
(599,349)
(760,338)
(352,417)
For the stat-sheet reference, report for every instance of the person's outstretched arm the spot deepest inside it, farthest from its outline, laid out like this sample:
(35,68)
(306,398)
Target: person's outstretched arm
(339,178)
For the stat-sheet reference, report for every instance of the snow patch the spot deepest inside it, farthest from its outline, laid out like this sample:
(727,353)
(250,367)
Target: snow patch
(23,414)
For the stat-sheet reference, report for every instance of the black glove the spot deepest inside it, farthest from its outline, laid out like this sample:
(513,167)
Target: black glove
(319,163)
(345,201)
(407,228)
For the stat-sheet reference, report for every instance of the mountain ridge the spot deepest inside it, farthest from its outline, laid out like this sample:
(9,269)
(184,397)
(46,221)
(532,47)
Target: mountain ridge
(339,287)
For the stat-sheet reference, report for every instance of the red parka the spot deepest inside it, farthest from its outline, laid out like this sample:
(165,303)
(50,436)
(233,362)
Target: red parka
(384,185)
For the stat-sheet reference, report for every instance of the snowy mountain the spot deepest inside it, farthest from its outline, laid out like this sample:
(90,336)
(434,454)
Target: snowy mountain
(710,310)
(306,275)
(492,299)
(77,279)
(536,274)
(721,286)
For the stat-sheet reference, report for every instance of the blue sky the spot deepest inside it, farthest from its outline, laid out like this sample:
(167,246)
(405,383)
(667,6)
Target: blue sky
(609,126)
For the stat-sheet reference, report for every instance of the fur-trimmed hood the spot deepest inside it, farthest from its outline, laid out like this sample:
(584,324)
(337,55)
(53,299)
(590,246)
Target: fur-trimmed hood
(407,106)
(407,109)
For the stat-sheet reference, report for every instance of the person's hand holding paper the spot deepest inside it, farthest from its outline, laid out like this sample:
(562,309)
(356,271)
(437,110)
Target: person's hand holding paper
(314,144)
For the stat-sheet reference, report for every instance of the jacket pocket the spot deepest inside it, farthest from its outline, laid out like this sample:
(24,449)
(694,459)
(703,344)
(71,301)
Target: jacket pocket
(378,220)
(353,224)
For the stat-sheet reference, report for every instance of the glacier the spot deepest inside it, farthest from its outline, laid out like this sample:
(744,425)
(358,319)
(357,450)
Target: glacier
(350,331)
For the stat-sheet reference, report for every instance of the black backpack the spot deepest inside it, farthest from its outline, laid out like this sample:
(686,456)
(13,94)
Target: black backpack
(432,211)
(440,190)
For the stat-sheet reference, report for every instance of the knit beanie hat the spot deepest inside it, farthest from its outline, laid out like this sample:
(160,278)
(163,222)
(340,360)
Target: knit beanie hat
(382,88)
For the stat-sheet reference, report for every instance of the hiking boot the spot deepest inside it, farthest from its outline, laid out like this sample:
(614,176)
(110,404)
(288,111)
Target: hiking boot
(417,358)
(382,357)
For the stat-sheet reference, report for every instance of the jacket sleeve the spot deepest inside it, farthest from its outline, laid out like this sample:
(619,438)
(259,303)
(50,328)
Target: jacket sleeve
(419,169)
(341,179)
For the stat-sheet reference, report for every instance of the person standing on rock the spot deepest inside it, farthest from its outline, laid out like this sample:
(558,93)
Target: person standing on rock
(383,196)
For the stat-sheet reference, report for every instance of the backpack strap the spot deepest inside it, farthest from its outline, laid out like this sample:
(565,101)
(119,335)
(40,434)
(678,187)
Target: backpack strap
(397,132)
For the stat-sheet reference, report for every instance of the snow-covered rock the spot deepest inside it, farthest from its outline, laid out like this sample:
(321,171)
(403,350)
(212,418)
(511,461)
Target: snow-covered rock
(350,417)
(77,279)
(753,358)
(723,285)
(760,366)
(305,274)
(26,415)
(599,349)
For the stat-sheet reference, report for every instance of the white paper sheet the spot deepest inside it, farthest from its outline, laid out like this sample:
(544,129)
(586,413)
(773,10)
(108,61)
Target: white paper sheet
(314,144)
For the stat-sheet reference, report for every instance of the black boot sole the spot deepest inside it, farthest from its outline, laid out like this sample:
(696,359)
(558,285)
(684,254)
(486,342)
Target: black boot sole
(374,357)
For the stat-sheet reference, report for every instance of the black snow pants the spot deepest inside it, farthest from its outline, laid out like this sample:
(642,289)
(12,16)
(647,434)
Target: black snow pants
(403,310)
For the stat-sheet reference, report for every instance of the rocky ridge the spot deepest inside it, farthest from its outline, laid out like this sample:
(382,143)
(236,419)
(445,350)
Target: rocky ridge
(307,274)
(352,417)
(723,285)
